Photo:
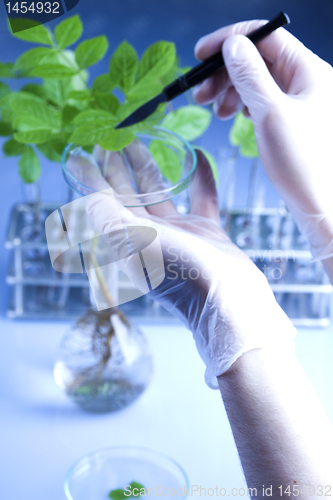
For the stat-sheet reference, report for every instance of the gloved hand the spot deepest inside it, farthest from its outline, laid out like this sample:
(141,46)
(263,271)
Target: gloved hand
(209,284)
(287,92)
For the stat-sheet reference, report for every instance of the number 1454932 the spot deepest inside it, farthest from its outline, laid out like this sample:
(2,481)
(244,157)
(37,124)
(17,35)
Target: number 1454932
(33,7)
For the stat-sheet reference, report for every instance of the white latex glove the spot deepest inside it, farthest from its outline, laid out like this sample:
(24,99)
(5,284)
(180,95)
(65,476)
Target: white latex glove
(287,92)
(209,284)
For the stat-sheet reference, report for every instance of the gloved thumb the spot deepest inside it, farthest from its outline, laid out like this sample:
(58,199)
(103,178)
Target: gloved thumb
(250,76)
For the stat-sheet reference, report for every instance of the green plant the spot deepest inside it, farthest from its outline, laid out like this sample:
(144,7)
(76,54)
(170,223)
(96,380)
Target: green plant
(121,494)
(242,135)
(61,107)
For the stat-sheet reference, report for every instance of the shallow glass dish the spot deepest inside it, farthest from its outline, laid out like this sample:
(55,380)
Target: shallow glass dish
(179,146)
(96,474)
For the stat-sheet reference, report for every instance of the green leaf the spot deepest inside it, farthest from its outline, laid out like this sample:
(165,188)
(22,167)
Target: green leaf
(117,139)
(67,58)
(28,122)
(91,51)
(190,121)
(35,57)
(55,91)
(47,58)
(93,115)
(167,160)
(118,494)
(156,63)
(69,113)
(37,136)
(47,150)
(30,109)
(212,162)
(89,149)
(58,91)
(144,90)
(34,89)
(103,84)
(157,60)
(242,135)
(13,148)
(53,71)
(68,32)
(108,102)
(102,132)
(5,129)
(170,76)
(92,132)
(123,66)
(129,107)
(6,70)
(4,89)
(32,31)
(29,166)
(80,95)
(5,107)
(77,82)
(148,123)
(59,142)
(34,128)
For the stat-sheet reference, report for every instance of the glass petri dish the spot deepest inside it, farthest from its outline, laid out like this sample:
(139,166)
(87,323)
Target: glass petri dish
(180,148)
(96,474)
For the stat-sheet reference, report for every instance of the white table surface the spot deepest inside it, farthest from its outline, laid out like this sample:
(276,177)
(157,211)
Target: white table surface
(42,432)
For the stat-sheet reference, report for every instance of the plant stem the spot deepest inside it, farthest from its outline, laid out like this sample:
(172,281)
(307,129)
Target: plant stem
(101,281)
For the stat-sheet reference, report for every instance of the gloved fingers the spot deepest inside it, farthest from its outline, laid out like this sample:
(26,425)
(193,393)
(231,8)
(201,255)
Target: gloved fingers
(212,43)
(103,208)
(219,83)
(148,176)
(251,77)
(117,175)
(217,89)
(272,47)
(227,104)
(86,173)
(114,169)
(246,69)
(203,194)
(127,240)
(293,64)
(288,55)
(133,243)
(107,214)
(206,92)
(99,155)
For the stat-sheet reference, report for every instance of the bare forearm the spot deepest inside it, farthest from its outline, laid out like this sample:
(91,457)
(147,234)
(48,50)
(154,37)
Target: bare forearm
(281,431)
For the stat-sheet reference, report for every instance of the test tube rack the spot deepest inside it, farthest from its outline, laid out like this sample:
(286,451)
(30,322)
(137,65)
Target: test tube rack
(269,236)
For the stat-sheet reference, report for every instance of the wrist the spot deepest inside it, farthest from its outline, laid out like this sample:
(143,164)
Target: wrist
(258,359)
